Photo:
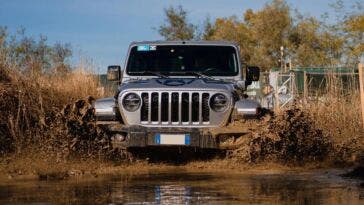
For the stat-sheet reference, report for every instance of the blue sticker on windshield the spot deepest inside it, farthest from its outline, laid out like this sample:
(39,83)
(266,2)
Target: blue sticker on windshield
(143,48)
(146,48)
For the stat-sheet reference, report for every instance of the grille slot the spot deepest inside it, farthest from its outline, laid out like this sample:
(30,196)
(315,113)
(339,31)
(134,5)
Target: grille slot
(154,107)
(195,107)
(185,107)
(164,107)
(175,108)
(205,107)
(145,107)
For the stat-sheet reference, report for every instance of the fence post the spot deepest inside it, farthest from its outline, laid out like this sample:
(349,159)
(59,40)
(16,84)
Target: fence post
(293,84)
(305,91)
(276,96)
(361,85)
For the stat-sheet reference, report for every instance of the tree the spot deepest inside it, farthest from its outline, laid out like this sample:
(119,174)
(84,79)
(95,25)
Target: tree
(59,55)
(308,41)
(177,27)
(354,28)
(312,45)
(269,29)
(260,35)
(208,29)
(350,27)
(230,29)
(33,56)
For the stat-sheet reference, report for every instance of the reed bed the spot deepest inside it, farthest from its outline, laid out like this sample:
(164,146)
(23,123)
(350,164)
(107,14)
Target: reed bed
(335,109)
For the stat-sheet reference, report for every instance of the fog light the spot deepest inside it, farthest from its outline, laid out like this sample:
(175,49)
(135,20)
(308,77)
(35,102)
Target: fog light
(118,137)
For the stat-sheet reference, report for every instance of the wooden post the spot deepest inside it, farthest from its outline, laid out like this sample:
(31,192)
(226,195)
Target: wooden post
(305,91)
(361,85)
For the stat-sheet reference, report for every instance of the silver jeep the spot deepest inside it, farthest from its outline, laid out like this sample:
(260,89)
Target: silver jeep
(178,93)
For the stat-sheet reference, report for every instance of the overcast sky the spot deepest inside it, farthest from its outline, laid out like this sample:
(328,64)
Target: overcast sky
(103,29)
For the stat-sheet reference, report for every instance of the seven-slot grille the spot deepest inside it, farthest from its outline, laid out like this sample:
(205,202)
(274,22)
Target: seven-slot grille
(175,108)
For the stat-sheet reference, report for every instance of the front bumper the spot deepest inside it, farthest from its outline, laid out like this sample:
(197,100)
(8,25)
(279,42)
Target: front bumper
(139,136)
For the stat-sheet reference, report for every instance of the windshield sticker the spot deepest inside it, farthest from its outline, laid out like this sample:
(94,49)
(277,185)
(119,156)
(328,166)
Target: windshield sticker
(146,48)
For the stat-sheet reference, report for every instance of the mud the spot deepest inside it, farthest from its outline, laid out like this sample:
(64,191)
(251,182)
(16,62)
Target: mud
(179,186)
(356,173)
(75,146)
(290,137)
(86,138)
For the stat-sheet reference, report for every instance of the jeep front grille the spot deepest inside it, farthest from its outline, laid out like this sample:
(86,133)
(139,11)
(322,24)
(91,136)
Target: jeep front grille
(175,108)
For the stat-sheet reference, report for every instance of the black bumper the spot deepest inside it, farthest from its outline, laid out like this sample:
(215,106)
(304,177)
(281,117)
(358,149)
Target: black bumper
(139,136)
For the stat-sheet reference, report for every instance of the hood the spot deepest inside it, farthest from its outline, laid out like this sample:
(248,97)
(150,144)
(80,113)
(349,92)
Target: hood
(176,84)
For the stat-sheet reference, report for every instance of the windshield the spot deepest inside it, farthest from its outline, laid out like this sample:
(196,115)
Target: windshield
(182,60)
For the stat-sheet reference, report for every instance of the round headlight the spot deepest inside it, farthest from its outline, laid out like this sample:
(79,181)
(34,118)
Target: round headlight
(218,102)
(131,102)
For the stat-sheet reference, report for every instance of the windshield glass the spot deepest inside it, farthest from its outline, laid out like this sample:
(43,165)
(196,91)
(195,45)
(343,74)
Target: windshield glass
(182,60)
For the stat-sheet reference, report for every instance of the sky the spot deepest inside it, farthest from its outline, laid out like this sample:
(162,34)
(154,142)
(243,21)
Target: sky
(101,30)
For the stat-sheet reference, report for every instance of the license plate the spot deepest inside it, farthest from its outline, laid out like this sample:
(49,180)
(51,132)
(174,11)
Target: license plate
(172,139)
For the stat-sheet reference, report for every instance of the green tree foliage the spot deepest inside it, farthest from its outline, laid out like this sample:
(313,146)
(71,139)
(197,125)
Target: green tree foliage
(354,28)
(33,56)
(309,45)
(59,55)
(208,29)
(349,27)
(307,41)
(269,29)
(231,29)
(177,26)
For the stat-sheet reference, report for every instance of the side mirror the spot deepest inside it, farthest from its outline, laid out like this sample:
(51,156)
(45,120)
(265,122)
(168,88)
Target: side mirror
(252,73)
(113,72)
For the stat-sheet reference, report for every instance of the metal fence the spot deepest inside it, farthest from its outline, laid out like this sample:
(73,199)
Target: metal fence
(306,83)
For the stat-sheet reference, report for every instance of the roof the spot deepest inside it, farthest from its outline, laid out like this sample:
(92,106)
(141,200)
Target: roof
(217,43)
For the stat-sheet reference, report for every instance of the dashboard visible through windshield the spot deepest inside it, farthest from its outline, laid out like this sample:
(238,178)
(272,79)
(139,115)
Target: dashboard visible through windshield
(182,60)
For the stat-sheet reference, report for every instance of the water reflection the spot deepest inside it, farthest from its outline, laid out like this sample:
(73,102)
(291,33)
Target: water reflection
(176,187)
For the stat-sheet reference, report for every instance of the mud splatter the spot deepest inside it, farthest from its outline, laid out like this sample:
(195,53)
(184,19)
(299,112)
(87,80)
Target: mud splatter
(289,137)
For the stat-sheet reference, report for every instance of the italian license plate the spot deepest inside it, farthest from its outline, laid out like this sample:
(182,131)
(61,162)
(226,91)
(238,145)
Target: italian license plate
(173,139)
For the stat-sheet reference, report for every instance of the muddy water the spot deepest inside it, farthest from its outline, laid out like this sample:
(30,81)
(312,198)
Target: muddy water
(181,187)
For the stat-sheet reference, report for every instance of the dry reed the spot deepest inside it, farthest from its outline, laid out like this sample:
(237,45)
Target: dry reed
(335,108)
(31,106)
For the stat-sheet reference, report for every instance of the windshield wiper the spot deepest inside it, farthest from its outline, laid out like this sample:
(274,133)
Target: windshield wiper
(202,74)
(159,74)
(198,74)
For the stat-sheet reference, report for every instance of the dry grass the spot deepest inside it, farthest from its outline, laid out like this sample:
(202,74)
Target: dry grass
(31,105)
(337,112)
(338,116)
(326,127)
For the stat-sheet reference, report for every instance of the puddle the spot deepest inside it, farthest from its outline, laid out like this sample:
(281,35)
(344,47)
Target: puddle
(180,187)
